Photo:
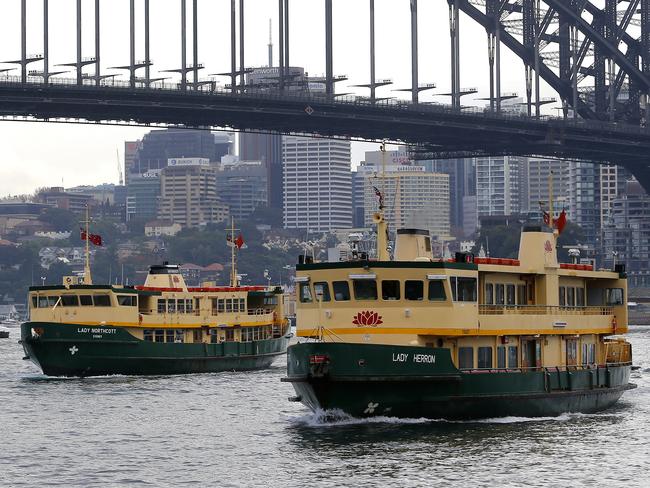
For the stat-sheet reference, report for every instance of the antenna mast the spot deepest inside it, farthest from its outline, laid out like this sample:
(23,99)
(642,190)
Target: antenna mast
(87,277)
(270,44)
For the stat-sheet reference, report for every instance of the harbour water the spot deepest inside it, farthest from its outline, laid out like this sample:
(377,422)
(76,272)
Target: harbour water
(237,429)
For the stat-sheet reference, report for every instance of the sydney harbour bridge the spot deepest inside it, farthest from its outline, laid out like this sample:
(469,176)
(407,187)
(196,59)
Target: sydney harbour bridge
(594,54)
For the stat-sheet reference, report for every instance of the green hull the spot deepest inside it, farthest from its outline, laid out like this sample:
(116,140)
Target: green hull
(414,382)
(70,350)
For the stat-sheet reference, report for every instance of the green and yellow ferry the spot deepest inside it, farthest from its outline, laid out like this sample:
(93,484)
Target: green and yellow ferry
(162,327)
(459,339)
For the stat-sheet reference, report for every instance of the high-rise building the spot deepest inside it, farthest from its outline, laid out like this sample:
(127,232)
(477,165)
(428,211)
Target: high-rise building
(242,186)
(583,204)
(413,198)
(462,183)
(539,171)
(612,183)
(498,185)
(626,234)
(142,196)
(158,146)
(130,155)
(188,193)
(266,148)
(317,184)
(358,199)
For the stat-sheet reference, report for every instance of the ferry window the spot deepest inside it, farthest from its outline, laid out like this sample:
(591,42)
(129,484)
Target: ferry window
(500,297)
(228,305)
(562,296)
(180,335)
(69,301)
(571,352)
(341,291)
(580,297)
(181,306)
(390,290)
(501,357)
(86,300)
(305,293)
(513,357)
(484,357)
(322,288)
(245,334)
(230,335)
(214,336)
(413,290)
(197,335)
(571,297)
(102,300)
(159,335)
(614,296)
(221,305)
(197,304)
(489,293)
(127,300)
(521,295)
(42,302)
(437,290)
(162,305)
(188,305)
(591,353)
(34,302)
(169,336)
(242,304)
(171,306)
(463,289)
(148,335)
(584,354)
(365,289)
(465,357)
(51,301)
(510,294)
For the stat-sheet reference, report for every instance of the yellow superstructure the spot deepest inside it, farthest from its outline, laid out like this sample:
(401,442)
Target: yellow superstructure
(491,313)
(165,309)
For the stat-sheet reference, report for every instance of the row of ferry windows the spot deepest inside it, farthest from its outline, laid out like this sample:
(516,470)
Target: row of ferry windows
(82,300)
(173,305)
(507,356)
(462,289)
(248,334)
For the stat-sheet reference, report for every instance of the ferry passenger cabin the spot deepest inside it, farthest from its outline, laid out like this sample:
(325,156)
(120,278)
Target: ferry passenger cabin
(528,313)
(166,310)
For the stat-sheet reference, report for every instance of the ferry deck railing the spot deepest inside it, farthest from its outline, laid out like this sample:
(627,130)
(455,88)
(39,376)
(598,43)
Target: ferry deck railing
(542,310)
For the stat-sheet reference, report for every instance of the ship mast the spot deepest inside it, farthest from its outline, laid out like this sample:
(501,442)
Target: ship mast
(379,217)
(234,282)
(87,277)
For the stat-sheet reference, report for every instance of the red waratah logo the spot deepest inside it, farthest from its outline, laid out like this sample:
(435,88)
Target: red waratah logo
(367,317)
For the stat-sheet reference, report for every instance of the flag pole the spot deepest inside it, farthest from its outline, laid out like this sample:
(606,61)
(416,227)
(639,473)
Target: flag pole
(87,277)
(233,267)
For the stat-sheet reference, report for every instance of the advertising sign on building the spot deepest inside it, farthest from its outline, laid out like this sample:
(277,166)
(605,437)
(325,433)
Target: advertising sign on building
(188,162)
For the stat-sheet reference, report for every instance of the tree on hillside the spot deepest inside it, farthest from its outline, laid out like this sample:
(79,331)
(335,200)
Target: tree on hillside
(62,220)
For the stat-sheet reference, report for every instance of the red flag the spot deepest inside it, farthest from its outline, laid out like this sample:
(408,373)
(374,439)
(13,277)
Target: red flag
(547,218)
(96,239)
(560,222)
(239,242)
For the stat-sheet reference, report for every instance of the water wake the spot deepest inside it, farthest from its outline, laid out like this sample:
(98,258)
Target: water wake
(336,417)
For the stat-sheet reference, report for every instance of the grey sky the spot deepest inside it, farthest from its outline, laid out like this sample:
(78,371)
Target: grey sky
(37,154)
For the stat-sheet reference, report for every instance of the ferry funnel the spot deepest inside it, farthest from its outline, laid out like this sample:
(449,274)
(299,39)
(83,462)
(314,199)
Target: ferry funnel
(413,245)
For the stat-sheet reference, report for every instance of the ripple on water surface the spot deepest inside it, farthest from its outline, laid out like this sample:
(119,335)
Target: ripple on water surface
(237,429)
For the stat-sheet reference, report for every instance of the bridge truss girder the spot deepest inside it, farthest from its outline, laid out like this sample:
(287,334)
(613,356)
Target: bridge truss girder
(575,44)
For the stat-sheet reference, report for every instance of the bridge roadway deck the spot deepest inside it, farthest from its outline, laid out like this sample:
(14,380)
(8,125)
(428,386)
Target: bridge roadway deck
(440,130)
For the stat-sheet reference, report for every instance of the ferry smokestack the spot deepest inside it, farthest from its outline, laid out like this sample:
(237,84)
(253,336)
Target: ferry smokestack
(413,245)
